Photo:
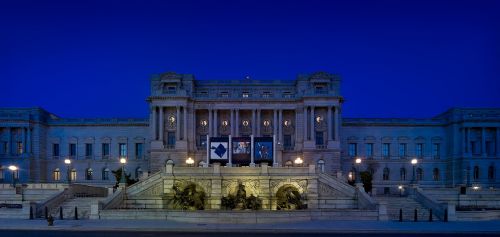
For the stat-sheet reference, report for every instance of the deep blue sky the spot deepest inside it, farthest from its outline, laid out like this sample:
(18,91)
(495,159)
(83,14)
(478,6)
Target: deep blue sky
(93,58)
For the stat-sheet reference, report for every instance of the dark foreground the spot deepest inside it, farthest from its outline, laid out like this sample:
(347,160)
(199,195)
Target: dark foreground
(66,233)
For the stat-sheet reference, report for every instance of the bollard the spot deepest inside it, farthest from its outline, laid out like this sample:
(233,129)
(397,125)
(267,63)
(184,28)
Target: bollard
(430,215)
(50,220)
(400,215)
(76,213)
(31,213)
(446,215)
(61,213)
(46,212)
(415,215)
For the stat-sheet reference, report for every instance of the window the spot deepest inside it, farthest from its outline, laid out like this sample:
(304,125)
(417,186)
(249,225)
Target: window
(267,94)
(402,149)
(287,141)
(171,90)
(319,138)
(171,139)
(435,174)
(202,141)
(419,150)
(105,174)
(352,149)
(476,173)
(245,95)
(436,150)
(55,150)
(320,89)
(385,175)
(73,175)
(19,148)
(386,148)
(287,94)
(122,149)
(224,94)
(369,149)
(321,165)
(72,149)
(491,173)
(490,150)
(420,174)
(138,150)
(105,150)
(402,174)
(3,149)
(88,174)
(56,175)
(88,150)
(475,147)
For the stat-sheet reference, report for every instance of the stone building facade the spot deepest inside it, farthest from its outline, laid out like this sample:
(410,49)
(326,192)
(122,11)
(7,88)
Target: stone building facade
(457,148)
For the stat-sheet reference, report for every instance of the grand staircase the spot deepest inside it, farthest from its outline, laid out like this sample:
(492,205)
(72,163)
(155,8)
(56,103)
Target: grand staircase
(408,205)
(82,204)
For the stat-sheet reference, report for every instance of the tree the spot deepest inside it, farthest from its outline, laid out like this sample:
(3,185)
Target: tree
(118,175)
(366,179)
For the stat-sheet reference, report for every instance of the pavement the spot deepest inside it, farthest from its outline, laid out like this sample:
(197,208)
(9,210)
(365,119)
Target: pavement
(323,226)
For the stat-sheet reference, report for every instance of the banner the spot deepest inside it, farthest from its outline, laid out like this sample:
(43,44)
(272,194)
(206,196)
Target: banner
(241,150)
(263,150)
(219,149)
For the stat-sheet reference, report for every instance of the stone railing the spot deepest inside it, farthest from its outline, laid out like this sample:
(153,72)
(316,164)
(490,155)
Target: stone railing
(364,200)
(144,184)
(80,190)
(438,209)
(52,202)
(112,202)
(343,187)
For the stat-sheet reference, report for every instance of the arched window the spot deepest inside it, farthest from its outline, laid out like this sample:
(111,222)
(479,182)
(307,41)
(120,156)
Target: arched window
(321,166)
(476,173)
(73,175)
(420,174)
(56,175)
(435,174)
(402,174)
(385,175)
(491,173)
(88,174)
(105,174)
(138,173)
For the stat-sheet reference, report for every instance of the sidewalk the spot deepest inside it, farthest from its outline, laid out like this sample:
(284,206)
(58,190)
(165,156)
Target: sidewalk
(309,227)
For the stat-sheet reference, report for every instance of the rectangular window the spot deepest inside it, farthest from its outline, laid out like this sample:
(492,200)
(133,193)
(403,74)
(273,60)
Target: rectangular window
(352,149)
(419,150)
(287,141)
(436,150)
(19,148)
(171,139)
(122,149)
(138,150)
(88,150)
(475,147)
(202,141)
(490,150)
(171,90)
(287,94)
(386,149)
(319,138)
(245,95)
(402,149)
(369,149)
(224,94)
(105,150)
(266,94)
(3,149)
(55,150)
(72,150)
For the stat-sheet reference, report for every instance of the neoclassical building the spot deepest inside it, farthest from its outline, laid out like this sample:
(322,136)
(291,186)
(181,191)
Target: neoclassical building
(302,118)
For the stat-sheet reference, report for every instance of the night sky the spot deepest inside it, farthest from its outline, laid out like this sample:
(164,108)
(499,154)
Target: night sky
(94,58)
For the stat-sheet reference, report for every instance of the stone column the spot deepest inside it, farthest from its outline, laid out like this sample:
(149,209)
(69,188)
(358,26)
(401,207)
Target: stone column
(329,119)
(253,122)
(210,123)
(162,124)
(464,141)
(337,124)
(178,123)
(216,124)
(483,141)
(153,123)
(275,123)
(313,138)
(258,122)
(231,123)
(237,123)
(469,150)
(23,139)
(28,140)
(280,125)
(304,121)
(9,141)
(184,123)
(498,142)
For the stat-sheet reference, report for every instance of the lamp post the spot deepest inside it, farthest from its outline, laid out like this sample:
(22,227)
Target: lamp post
(400,187)
(414,163)
(13,169)
(298,161)
(358,165)
(189,161)
(68,164)
(123,161)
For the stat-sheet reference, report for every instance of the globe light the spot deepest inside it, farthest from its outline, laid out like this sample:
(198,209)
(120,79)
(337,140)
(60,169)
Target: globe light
(189,161)
(298,161)
(67,161)
(123,160)
(358,161)
(13,168)
(414,161)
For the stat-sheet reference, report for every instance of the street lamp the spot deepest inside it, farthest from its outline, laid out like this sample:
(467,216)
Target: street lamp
(189,161)
(358,164)
(68,164)
(400,187)
(298,161)
(13,169)
(414,163)
(123,161)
